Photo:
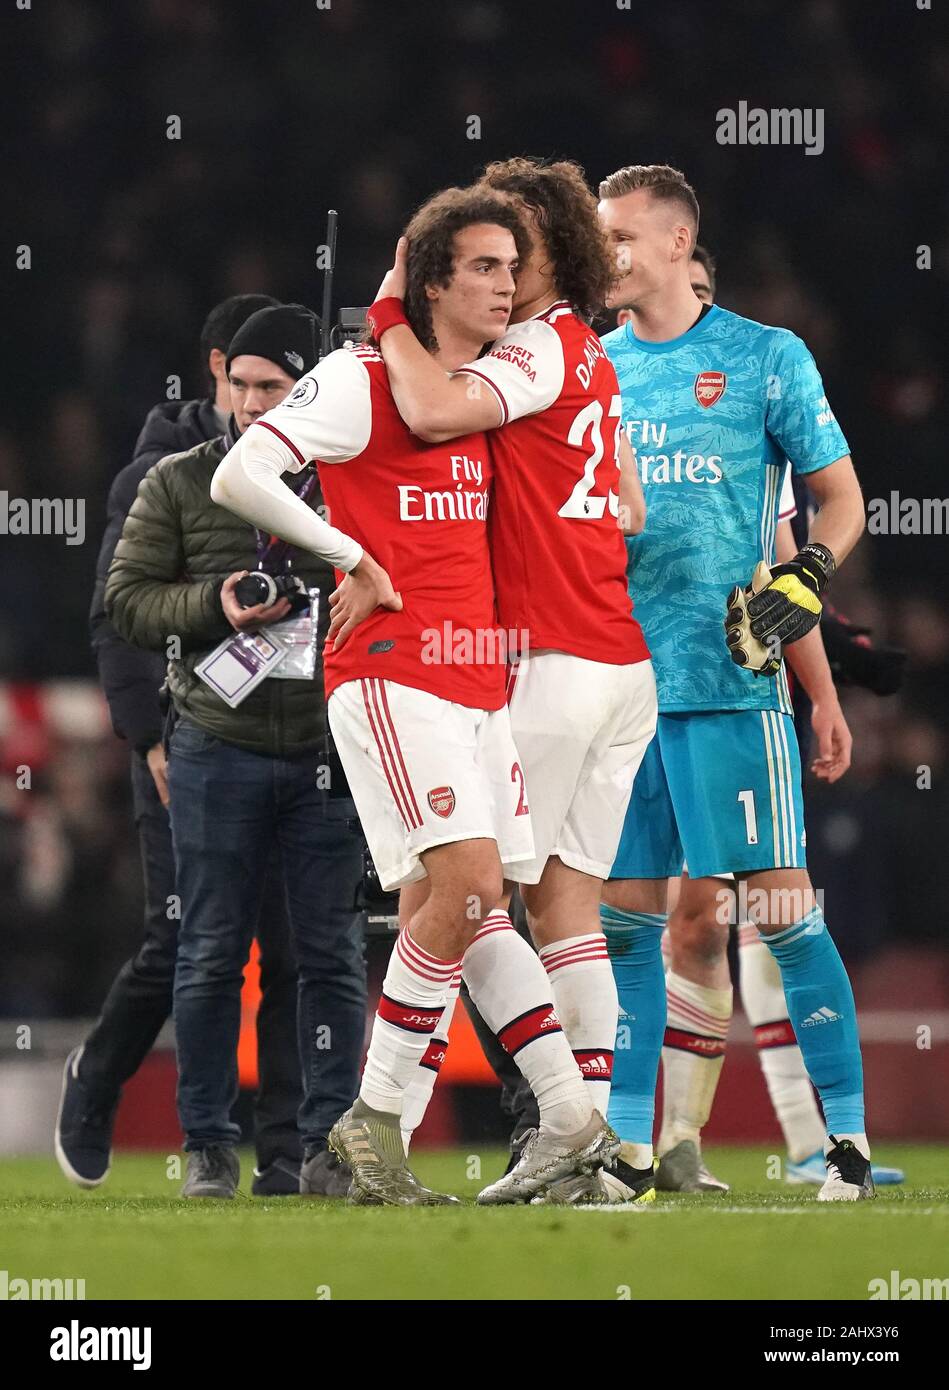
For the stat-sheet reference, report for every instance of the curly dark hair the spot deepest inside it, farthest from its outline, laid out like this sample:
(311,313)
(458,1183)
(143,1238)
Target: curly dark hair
(431,235)
(564,210)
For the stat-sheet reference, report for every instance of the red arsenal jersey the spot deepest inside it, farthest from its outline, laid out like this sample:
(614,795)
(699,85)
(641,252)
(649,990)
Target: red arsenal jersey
(557,551)
(418,509)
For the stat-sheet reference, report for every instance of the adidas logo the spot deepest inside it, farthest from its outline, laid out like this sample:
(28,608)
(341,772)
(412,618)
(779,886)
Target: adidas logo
(821,1015)
(595,1066)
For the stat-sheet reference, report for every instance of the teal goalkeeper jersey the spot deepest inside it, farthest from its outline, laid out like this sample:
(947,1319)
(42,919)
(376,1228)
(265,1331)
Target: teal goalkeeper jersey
(713,416)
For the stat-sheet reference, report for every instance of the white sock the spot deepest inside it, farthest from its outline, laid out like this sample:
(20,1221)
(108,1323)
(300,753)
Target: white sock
(587,1005)
(693,1053)
(418,1092)
(789,1086)
(636,1155)
(414,994)
(512,993)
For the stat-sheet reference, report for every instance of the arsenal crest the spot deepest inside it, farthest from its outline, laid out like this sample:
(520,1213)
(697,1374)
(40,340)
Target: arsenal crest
(709,388)
(442,801)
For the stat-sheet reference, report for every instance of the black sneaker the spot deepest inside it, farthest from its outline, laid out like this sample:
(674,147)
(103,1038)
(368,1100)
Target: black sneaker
(849,1177)
(279,1179)
(323,1175)
(83,1135)
(212,1172)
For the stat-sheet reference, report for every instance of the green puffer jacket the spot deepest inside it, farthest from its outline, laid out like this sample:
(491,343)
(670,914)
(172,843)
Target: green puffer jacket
(176,550)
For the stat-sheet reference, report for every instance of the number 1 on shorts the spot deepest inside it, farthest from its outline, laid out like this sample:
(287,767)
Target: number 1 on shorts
(747,799)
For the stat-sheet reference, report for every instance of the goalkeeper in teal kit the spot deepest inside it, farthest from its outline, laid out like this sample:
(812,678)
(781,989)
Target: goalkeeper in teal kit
(714,405)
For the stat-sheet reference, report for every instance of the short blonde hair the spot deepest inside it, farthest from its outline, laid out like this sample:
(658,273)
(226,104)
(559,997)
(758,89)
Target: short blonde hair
(662,181)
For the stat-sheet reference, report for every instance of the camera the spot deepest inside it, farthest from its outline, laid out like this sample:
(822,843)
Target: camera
(350,327)
(260,587)
(381,908)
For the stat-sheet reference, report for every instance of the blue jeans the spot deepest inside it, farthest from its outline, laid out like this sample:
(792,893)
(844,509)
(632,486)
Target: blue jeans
(141,995)
(228,808)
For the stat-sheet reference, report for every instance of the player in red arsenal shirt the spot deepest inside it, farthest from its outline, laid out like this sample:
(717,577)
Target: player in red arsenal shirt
(424,737)
(582,695)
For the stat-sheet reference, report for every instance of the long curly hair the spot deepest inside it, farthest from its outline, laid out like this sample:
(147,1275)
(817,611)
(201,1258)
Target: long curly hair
(564,210)
(431,235)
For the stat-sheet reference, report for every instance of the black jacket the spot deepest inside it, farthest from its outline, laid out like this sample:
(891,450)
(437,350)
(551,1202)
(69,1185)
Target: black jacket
(130,677)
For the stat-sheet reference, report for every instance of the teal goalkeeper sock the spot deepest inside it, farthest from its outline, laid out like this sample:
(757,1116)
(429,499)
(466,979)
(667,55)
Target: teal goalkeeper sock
(634,941)
(824,1017)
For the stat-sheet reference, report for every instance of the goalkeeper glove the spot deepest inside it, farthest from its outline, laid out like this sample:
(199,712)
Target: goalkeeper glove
(780,606)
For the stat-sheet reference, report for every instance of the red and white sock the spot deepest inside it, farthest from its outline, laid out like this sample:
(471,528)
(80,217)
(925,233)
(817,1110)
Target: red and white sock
(693,1053)
(587,1005)
(512,993)
(789,1086)
(414,994)
(418,1093)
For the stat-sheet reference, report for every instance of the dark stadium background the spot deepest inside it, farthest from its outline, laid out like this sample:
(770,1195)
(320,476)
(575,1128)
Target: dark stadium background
(289,109)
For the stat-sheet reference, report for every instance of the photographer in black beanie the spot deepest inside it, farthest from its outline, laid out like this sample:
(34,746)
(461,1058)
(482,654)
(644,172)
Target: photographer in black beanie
(139,1001)
(249,770)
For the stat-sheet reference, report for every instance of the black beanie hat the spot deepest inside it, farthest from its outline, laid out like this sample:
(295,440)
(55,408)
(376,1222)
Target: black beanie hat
(287,334)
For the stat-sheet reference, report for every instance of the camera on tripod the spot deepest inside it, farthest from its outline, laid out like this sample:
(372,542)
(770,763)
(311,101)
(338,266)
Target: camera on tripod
(264,588)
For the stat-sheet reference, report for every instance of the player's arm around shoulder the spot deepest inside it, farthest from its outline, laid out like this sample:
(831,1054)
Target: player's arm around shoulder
(434,405)
(632,499)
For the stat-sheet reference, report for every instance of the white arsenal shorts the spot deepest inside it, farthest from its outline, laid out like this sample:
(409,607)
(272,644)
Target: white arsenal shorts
(581,729)
(424,772)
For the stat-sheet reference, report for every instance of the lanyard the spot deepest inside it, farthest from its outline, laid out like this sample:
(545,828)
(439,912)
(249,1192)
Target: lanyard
(272,552)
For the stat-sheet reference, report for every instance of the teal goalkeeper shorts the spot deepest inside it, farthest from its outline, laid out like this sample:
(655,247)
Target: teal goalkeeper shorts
(720,792)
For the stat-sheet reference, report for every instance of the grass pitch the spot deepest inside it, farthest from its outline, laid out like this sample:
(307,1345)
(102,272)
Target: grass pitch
(134,1238)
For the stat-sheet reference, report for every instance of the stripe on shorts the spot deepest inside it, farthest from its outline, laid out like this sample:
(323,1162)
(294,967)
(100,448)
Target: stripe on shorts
(777,810)
(781,733)
(384,695)
(380,734)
